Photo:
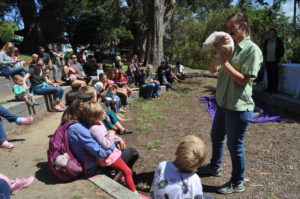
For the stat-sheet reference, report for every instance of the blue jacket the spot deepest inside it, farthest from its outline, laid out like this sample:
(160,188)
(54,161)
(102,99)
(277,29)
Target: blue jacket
(81,143)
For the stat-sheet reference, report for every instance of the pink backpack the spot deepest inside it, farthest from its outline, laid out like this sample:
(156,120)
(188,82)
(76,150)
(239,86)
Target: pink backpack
(59,149)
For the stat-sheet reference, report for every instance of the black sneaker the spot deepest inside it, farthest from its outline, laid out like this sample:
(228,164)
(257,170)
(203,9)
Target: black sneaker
(124,132)
(208,170)
(230,187)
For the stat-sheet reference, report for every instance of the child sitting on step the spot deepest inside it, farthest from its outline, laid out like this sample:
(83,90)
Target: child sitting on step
(92,119)
(178,179)
(21,93)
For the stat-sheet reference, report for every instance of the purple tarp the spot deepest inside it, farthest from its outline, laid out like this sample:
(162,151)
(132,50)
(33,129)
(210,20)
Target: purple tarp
(211,107)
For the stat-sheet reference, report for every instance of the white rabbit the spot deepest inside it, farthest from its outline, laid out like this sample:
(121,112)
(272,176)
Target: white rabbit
(214,37)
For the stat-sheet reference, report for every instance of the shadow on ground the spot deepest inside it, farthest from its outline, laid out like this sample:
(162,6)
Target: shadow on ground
(209,89)
(44,174)
(144,179)
(17,140)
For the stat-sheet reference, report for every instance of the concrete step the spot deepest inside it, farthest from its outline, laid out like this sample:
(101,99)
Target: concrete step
(280,101)
(113,188)
(5,84)
(135,93)
(23,110)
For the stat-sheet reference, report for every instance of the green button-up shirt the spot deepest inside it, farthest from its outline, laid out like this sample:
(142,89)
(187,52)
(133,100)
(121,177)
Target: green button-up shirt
(246,58)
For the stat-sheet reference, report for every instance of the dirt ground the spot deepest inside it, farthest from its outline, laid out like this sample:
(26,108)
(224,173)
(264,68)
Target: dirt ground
(272,149)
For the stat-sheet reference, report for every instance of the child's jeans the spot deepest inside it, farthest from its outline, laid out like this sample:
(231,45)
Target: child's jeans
(117,101)
(156,91)
(146,90)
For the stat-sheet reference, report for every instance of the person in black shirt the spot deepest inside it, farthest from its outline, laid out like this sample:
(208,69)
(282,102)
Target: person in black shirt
(163,75)
(90,69)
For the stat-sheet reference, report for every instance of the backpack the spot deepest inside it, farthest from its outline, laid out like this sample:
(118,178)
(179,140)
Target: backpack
(59,153)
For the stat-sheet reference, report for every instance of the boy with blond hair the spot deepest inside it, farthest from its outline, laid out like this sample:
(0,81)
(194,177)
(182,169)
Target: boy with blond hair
(178,180)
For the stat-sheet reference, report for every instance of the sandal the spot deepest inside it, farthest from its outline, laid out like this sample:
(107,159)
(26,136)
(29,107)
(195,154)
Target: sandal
(58,108)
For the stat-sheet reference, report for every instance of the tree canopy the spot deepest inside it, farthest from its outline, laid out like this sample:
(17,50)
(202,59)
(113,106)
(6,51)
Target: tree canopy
(153,29)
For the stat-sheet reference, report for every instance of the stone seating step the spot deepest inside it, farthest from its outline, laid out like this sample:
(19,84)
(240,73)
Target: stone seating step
(283,102)
(5,84)
(23,110)
(112,188)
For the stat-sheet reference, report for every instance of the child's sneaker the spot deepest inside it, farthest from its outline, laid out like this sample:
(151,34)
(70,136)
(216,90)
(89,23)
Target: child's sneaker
(36,103)
(31,104)
(7,145)
(21,183)
(24,120)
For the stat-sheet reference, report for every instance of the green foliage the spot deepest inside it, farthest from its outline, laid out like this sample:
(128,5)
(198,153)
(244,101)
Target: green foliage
(190,27)
(187,35)
(7,31)
(155,145)
(38,159)
(97,22)
(27,58)
(76,197)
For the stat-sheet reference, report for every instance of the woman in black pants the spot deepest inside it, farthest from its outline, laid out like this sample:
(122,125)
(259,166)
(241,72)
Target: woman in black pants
(273,51)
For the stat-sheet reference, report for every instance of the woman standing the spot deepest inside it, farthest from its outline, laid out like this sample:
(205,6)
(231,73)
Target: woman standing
(273,51)
(234,102)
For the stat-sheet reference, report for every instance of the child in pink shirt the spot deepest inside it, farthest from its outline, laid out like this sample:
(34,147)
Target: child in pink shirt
(94,114)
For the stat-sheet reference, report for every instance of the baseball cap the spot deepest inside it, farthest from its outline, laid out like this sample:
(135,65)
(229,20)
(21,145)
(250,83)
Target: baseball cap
(99,87)
(118,58)
(76,95)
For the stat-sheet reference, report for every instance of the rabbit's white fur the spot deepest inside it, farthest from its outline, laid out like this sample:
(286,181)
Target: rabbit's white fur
(214,37)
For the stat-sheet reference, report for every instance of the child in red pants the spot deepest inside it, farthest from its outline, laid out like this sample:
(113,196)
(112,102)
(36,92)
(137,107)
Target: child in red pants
(93,117)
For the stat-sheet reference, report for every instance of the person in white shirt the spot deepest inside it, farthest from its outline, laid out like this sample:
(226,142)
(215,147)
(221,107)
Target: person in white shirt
(179,71)
(178,180)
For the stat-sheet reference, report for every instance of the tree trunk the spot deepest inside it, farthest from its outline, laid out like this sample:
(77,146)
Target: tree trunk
(141,38)
(138,15)
(32,33)
(159,17)
(154,49)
